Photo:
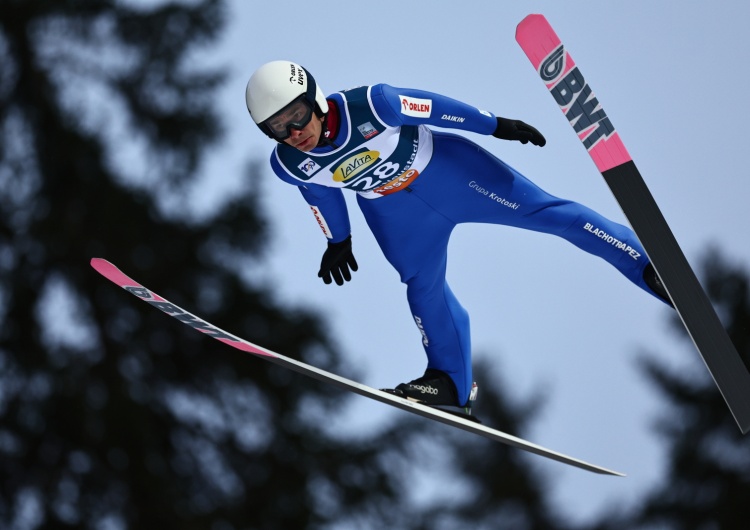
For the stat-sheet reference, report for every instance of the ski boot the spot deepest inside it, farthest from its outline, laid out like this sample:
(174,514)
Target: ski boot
(436,389)
(654,283)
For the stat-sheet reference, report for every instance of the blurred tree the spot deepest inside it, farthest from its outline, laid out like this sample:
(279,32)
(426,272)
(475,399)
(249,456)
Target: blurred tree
(113,416)
(707,481)
(492,485)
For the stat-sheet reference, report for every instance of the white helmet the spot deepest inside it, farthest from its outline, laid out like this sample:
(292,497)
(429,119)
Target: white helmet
(275,85)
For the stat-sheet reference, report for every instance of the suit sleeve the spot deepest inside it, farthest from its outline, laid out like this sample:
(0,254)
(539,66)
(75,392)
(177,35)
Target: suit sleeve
(408,106)
(327,204)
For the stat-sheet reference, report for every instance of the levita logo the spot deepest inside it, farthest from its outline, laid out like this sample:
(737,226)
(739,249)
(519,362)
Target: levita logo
(354,165)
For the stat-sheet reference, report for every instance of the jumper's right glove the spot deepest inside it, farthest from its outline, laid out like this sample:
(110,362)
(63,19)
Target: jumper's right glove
(517,130)
(337,260)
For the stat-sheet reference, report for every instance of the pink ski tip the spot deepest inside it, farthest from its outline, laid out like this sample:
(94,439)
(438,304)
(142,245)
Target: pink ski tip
(537,38)
(109,271)
(530,21)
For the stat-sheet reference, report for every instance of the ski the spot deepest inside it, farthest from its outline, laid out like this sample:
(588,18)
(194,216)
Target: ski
(112,273)
(575,98)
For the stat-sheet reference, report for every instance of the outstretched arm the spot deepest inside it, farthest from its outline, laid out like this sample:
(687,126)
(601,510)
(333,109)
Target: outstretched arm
(408,106)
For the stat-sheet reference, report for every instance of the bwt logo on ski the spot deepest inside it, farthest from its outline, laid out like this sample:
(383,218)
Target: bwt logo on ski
(174,311)
(576,99)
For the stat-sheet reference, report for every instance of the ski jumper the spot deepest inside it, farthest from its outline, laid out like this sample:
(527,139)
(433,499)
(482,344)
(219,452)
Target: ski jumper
(415,185)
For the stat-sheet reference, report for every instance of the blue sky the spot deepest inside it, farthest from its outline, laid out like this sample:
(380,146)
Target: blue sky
(549,318)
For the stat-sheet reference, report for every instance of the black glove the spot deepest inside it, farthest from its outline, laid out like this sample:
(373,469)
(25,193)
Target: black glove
(518,130)
(337,260)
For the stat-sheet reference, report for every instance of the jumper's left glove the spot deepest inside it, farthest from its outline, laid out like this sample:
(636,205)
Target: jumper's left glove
(518,130)
(337,260)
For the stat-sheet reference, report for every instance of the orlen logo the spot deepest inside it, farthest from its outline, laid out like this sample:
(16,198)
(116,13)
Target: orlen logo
(417,107)
(354,165)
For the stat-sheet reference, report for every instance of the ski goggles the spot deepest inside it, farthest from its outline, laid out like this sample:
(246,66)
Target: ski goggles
(296,115)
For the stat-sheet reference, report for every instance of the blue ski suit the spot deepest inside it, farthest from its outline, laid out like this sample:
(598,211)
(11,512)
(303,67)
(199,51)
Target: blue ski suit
(415,184)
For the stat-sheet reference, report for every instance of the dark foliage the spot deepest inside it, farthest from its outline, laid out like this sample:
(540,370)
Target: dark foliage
(707,483)
(111,414)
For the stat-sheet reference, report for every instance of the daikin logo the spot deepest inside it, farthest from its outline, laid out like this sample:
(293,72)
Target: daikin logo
(575,98)
(450,117)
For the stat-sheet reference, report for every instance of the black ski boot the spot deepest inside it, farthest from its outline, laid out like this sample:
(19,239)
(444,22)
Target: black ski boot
(654,282)
(436,389)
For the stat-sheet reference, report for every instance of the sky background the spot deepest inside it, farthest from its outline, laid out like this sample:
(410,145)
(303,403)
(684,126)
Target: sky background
(550,319)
